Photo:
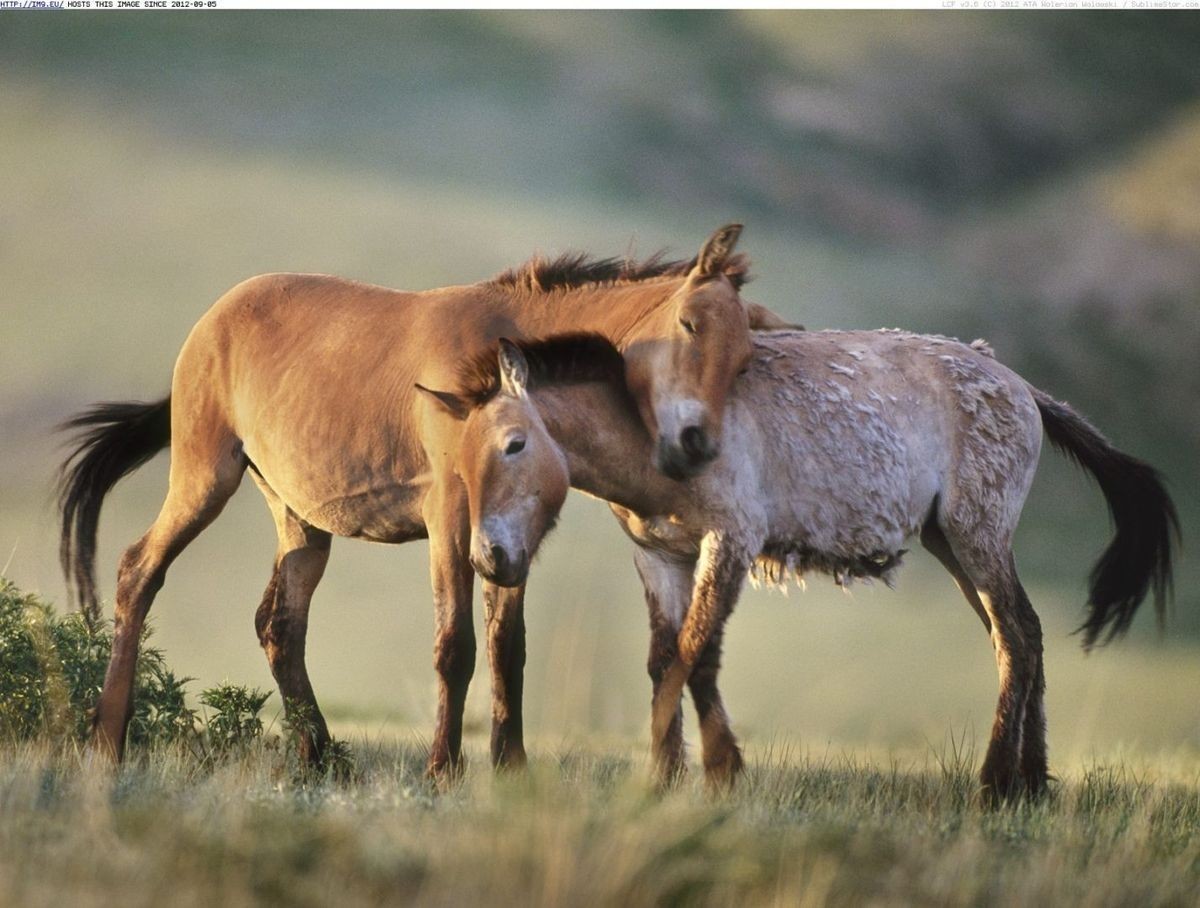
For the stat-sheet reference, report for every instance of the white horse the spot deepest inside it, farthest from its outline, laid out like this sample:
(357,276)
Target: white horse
(837,447)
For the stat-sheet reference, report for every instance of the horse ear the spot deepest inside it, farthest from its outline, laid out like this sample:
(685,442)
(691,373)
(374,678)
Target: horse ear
(514,369)
(716,250)
(456,406)
(763,319)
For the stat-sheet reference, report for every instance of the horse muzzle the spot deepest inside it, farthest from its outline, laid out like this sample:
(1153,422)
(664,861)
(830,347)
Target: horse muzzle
(495,564)
(686,456)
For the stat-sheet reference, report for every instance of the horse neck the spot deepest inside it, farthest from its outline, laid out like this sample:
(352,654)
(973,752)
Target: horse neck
(609,454)
(612,310)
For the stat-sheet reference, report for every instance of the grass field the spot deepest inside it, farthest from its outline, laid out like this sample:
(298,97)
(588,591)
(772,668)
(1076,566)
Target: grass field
(584,826)
(874,804)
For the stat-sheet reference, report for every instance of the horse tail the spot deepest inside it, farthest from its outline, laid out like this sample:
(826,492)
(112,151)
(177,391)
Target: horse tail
(111,441)
(1138,559)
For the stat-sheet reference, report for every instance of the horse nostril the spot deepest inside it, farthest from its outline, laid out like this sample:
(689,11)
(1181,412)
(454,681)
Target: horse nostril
(693,442)
(499,558)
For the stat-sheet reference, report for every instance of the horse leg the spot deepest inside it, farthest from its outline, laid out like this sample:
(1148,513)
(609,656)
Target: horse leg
(936,544)
(199,487)
(1019,644)
(504,610)
(668,587)
(1035,768)
(719,746)
(454,634)
(282,622)
(720,574)
(1012,765)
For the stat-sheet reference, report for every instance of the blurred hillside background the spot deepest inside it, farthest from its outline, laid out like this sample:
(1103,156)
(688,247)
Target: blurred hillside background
(1033,179)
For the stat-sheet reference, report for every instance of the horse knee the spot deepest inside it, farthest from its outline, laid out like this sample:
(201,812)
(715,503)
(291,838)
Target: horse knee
(1032,656)
(662,654)
(1031,628)
(138,579)
(506,641)
(266,609)
(282,617)
(454,657)
(284,635)
(1024,646)
(664,646)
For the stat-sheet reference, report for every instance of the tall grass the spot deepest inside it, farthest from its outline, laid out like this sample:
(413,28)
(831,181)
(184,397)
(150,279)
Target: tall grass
(582,827)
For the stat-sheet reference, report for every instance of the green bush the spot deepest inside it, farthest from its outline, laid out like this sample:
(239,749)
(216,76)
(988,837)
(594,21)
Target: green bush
(52,670)
(234,721)
(26,685)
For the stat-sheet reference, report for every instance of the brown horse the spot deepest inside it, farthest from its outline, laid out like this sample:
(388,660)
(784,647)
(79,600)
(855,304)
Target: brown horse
(837,447)
(309,381)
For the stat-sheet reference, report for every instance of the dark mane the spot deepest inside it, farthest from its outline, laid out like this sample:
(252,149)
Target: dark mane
(559,359)
(575,269)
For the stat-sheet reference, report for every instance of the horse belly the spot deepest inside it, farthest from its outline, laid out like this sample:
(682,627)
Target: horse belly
(344,488)
(391,515)
(871,549)
(848,523)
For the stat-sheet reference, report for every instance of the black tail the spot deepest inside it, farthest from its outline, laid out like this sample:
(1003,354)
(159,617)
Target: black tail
(111,441)
(1139,557)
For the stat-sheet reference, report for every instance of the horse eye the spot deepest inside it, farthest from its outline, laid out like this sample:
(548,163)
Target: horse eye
(688,325)
(516,446)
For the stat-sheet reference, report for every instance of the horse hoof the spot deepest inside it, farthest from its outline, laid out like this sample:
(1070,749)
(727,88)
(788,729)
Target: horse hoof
(443,774)
(669,776)
(999,791)
(1037,786)
(510,761)
(721,775)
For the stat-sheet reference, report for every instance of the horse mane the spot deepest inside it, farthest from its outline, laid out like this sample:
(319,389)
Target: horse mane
(577,269)
(560,359)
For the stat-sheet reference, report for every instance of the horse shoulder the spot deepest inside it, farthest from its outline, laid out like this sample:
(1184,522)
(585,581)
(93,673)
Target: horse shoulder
(736,489)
